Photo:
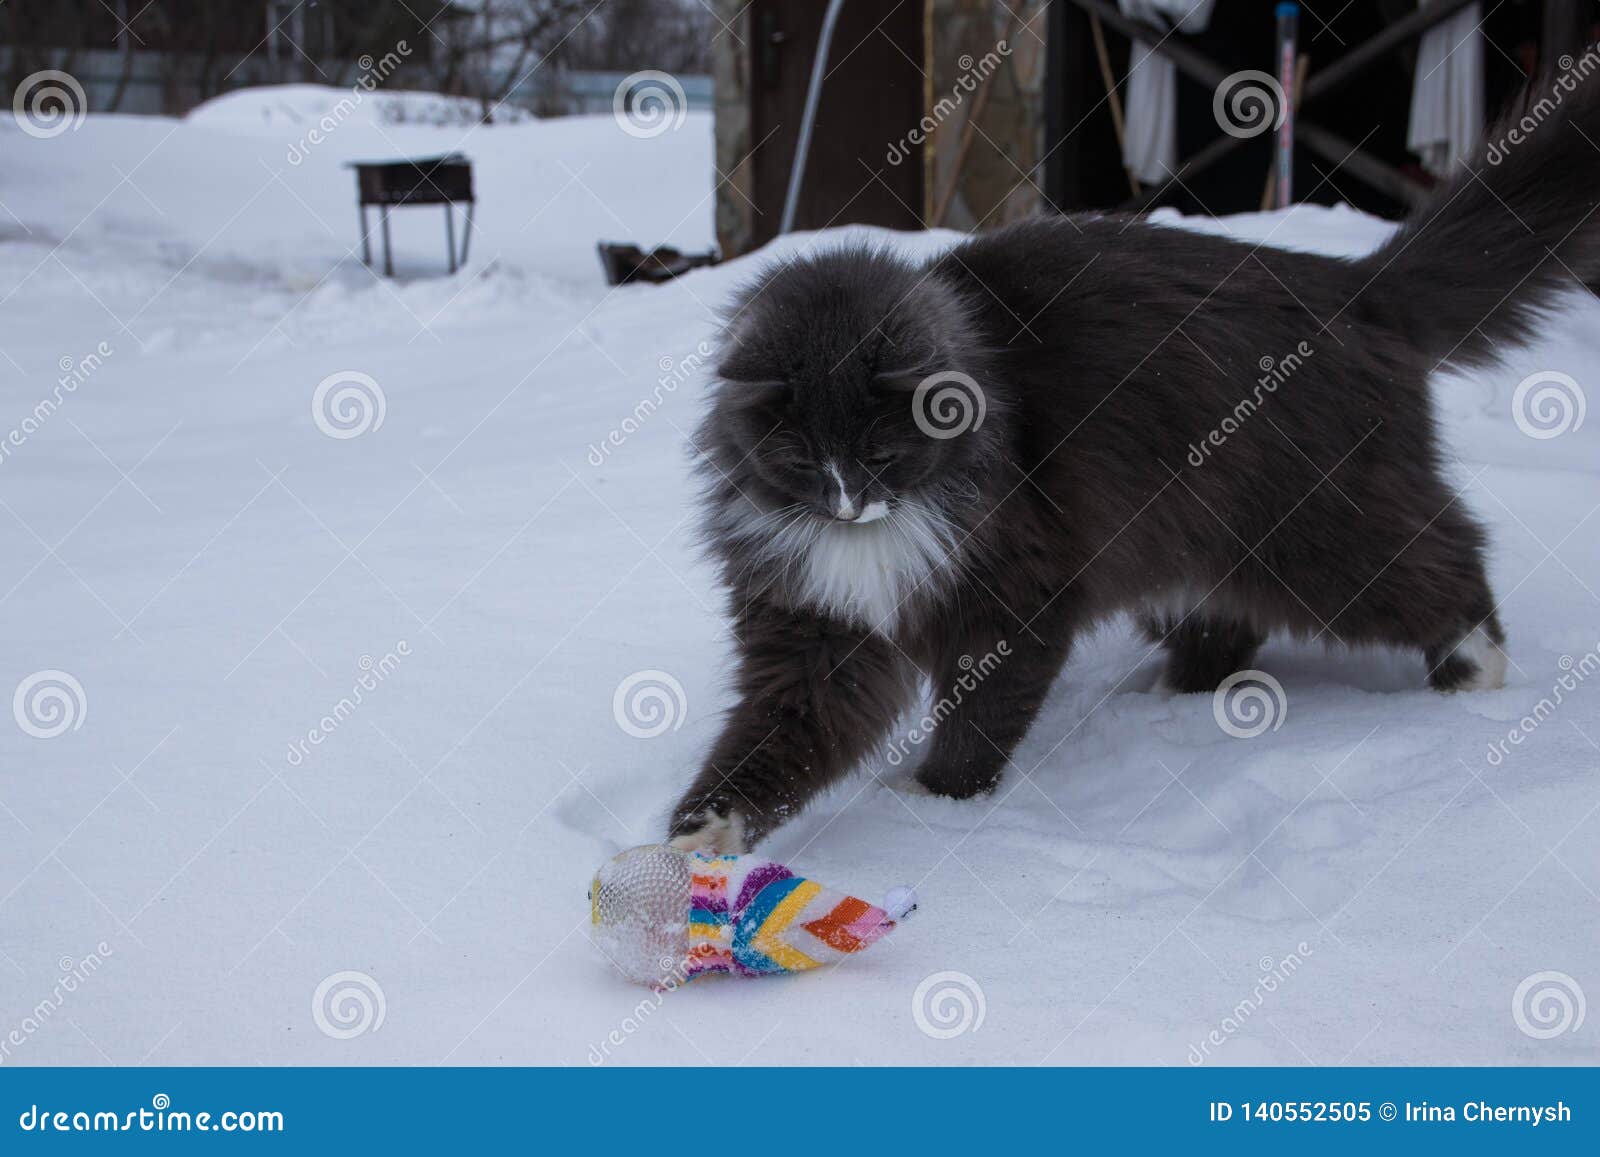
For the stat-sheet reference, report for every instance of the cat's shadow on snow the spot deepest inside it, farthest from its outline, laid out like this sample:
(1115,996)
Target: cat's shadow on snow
(1306,671)
(1370,669)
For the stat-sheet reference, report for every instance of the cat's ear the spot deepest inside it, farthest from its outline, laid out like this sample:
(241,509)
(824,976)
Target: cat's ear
(899,379)
(745,366)
(748,385)
(755,385)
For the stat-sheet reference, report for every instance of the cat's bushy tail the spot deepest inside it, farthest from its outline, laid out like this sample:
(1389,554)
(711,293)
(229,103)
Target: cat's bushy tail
(1472,268)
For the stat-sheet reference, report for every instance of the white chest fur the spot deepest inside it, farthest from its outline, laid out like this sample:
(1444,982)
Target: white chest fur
(865,573)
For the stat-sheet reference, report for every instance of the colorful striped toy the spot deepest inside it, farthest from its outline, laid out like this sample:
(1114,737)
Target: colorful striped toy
(664,917)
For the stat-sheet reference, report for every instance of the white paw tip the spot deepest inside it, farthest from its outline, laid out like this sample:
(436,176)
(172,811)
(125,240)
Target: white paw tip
(1481,651)
(717,835)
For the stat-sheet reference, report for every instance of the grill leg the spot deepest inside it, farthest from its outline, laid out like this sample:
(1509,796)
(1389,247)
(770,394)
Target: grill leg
(366,243)
(450,234)
(466,236)
(388,257)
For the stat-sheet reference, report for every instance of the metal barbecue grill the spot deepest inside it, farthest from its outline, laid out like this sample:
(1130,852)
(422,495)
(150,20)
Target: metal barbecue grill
(445,180)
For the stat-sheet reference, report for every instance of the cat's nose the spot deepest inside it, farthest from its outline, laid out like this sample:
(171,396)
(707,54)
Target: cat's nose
(845,508)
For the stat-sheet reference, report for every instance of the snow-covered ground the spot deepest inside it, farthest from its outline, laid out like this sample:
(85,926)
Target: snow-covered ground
(217,573)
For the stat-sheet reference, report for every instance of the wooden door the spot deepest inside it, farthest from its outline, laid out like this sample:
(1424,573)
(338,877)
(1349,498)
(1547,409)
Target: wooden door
(872,98)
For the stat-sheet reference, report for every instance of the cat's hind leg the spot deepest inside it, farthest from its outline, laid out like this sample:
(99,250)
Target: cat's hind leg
(1203,648)
(1433,596)
(1472,661)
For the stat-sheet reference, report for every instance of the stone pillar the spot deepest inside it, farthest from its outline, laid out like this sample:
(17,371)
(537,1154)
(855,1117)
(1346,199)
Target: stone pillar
(988,59)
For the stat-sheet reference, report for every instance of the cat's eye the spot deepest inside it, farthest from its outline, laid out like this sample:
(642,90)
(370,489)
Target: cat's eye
(880,459)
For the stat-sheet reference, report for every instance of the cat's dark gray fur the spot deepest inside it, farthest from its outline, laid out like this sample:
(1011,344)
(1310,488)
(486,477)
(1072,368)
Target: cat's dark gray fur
(1115,468)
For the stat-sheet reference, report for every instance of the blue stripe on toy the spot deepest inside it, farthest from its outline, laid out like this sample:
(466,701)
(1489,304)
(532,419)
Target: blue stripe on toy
(705,916)
(751,920)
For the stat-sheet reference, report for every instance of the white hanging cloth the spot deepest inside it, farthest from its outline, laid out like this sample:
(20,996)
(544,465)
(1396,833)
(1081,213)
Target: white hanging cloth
(1150,131)
(1447,92)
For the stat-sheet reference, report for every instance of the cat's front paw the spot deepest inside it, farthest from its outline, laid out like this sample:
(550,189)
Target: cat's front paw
(957,782)
(712,833)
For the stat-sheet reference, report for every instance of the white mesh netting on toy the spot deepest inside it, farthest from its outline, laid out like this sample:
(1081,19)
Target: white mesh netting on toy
(640,908)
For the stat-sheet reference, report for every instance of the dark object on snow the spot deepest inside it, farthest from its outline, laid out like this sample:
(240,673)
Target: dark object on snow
(623,262)
(445,180)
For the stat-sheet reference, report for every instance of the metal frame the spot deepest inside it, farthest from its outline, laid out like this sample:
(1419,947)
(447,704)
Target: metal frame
(449,236)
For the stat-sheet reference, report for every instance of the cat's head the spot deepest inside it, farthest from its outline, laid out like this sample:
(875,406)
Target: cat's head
(850,382)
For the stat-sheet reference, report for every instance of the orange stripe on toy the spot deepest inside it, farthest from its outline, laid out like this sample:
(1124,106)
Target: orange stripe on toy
(834,928)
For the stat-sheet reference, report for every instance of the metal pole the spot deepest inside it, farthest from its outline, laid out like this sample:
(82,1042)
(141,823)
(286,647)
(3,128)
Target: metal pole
(450,234)
(791,202)
(1288,36)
